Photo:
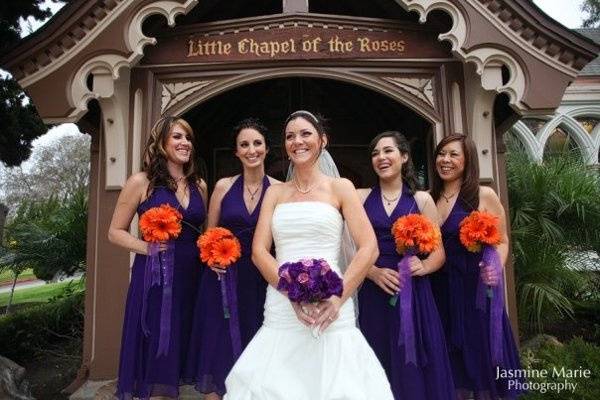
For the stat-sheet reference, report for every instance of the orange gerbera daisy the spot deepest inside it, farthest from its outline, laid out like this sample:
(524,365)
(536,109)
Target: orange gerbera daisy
(479,228)
(226,252)
(218,246)
(159,224)
(416,231)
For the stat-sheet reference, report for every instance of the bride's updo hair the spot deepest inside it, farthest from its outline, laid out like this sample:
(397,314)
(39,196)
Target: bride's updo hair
(316,120)
(408,169)
(155,156)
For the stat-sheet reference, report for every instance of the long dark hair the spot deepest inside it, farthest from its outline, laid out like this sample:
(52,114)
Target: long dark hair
(409,176)
(155,156)
(469,189)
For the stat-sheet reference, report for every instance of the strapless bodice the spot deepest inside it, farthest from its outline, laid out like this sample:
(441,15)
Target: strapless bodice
(309,229)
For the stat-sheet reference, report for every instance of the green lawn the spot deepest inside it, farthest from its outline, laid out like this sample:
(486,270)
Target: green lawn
(7,276)
(38,294)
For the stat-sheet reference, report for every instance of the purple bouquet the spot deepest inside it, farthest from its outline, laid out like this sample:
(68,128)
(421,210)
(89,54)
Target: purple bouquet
(309,281)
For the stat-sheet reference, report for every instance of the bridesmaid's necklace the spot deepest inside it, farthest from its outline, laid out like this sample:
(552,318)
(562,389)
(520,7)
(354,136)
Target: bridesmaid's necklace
(447,198)
(252,193)
(390,201)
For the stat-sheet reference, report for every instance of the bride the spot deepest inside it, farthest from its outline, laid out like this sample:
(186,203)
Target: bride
(304,217)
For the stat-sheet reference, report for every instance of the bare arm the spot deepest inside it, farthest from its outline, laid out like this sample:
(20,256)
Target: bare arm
(490,202)
(263,239)
(127,204)
(363,194)
(436,259)
(362,233)
(214,208)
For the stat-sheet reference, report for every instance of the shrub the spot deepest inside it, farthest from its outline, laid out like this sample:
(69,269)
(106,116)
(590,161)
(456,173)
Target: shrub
(572,356)
(555,214)
(25,335)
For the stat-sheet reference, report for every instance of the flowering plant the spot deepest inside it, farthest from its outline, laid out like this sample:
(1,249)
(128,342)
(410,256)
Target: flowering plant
(479,228)
(480,232)
(309,280)
(417,233)
(414,234)
(159,224)
(219,247)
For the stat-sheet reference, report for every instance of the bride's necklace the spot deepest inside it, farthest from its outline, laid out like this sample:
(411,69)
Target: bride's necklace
(308,189)
(448,197)
(388,200)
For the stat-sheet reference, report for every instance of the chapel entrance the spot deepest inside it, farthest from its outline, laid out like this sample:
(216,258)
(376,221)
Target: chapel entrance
(355,114)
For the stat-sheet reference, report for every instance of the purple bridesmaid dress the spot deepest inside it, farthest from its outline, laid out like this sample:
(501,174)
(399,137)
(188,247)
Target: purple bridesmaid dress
(212,351)
(141,372)
(431,378)
(467,328)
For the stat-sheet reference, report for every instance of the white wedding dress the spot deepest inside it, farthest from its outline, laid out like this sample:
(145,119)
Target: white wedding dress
(284,361)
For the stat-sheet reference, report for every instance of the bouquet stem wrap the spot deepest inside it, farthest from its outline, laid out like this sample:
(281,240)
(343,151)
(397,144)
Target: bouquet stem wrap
(159,270)
(406,335)
(230,309)
(491,258)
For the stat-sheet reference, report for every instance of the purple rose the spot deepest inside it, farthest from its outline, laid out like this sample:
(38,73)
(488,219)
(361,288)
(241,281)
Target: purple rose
(325,267)
(307,262)
(303,278)
(334,283)
(285,274)
(295,293)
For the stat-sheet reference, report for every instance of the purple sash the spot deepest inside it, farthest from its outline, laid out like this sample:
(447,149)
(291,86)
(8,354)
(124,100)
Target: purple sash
(491,258)
(230,308)
(406,336)
(159,264)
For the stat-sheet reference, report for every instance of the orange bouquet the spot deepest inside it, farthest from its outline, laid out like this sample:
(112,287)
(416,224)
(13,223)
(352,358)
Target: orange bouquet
(479,228)
(159,224)
(416,232)
(480,232)
(219,247)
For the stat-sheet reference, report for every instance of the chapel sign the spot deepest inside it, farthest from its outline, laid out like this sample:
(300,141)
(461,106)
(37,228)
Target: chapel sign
(285,42)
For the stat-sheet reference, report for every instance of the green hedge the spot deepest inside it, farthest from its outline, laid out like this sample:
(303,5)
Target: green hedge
(573,356)
(25,334)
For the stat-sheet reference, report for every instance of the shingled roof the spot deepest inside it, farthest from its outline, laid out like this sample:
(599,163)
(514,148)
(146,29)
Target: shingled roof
(593,68)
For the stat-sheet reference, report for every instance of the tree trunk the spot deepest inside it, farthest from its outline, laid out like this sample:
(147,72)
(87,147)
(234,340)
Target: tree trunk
(12,293)
(3,213)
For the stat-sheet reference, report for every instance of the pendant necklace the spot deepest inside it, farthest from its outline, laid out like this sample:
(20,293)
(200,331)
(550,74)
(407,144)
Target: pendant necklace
(252,193)
(389,201)
(447,198)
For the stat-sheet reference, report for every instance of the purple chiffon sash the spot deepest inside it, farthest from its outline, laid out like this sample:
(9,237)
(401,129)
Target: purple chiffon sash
(230,308)
(159,270)
(406,335)
(491,258)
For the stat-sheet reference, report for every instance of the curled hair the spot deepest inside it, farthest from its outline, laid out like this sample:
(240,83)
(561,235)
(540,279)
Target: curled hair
(316,120)
(155,156)
(469,189)
(407,171)
(250,123)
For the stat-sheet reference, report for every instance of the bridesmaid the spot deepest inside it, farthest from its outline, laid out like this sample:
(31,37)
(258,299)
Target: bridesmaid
(393,197)
(456,192)
(169,177)
(234,204)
